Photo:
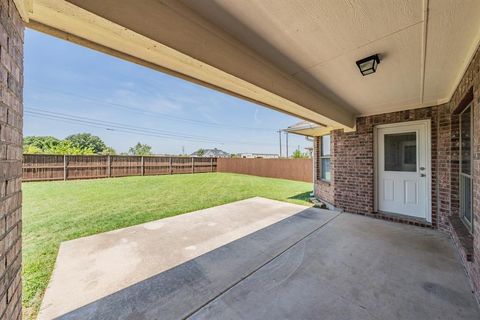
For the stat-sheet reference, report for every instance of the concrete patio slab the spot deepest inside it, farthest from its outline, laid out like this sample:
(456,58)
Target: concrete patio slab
(355,268)
(91,268)
(262,259)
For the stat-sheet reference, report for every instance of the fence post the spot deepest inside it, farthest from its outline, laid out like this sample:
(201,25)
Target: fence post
(170,167)
(109,166)
(211,164)
(143,166)
(64,168)
(193,165)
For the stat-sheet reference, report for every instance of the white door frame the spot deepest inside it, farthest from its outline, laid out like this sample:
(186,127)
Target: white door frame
(428,167)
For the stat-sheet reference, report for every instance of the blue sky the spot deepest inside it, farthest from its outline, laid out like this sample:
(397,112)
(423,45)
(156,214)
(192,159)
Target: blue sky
(66,80)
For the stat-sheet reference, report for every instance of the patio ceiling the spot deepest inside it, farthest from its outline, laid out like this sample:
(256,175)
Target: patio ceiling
(294,56)
(317,42)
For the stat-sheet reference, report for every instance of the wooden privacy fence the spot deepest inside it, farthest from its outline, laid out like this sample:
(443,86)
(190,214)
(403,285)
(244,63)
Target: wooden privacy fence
(39,167)
(292,169)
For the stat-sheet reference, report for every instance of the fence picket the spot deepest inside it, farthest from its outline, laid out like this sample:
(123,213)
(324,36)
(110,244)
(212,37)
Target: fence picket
(65,168)
(39,167)
(290,169)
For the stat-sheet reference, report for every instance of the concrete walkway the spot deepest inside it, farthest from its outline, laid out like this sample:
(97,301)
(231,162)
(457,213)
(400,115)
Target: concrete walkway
(260,259)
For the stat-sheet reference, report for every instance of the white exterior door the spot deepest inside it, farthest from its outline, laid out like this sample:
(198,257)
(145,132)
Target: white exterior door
(403,169)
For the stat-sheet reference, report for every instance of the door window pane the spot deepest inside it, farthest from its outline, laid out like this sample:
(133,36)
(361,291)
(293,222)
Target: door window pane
(401,152)
(465,141)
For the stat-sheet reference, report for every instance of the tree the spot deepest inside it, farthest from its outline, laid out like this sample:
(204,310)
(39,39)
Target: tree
(108,151)
(67,147)
(87,141)
(38,144)
(200,152)
(31,149)
(82,143)
(297,154)
(140,150)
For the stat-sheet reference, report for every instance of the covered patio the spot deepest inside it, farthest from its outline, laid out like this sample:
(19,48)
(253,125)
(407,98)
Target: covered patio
(260,259)
(398,142)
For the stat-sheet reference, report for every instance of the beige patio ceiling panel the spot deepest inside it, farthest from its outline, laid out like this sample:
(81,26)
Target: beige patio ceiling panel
(297,56)
(453,36)
(397,83)
(318,42)
(170,37)
(300,34)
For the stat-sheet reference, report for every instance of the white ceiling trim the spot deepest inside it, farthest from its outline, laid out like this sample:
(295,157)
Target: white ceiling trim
(424,50)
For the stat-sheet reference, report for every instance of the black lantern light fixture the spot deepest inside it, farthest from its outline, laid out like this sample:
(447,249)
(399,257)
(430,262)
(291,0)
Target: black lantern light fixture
(368,65)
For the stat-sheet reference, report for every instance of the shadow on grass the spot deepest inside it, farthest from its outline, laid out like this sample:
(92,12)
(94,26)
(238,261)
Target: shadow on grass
(304,196)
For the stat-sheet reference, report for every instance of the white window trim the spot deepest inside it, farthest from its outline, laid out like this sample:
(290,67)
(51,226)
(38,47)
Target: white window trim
(468,224)
(320,157)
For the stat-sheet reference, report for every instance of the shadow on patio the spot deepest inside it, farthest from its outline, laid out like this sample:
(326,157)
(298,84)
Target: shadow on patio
(311,263)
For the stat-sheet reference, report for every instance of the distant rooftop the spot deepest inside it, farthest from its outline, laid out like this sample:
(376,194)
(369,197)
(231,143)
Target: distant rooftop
(211,153)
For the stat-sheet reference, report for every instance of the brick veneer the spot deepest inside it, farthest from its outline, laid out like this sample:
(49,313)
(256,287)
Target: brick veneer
(352,186)
(11,115)
(470,83)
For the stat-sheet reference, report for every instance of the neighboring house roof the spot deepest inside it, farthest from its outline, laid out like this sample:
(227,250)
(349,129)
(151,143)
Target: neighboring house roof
(212,153)
(257,155)
(306,128)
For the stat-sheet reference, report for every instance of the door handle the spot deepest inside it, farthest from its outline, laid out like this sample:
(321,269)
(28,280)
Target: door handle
(423,175)
(422,168)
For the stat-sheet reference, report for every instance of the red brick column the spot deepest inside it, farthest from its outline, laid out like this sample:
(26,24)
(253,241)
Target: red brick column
(443,169)
(11,122)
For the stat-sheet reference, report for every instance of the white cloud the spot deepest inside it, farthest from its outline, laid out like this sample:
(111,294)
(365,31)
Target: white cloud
(132,98)
(255,116)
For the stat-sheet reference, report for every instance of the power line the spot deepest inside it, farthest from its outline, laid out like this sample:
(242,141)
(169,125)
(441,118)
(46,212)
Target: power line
(116,130)
(113,126)
(155,113)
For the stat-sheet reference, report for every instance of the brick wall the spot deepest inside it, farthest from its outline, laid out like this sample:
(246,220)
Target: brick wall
(11,111)
(353,159)
(469,87)
(454,161)
(443,166)
(352,185)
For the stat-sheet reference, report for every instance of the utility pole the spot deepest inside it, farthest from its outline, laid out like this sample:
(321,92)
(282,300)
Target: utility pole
(286,142)
(183,150)
(280,141)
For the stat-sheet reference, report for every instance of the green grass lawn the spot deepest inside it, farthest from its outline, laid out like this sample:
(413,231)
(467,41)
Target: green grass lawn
(57,211)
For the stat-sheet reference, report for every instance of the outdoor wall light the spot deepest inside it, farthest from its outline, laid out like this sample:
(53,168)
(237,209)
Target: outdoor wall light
(368,65)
